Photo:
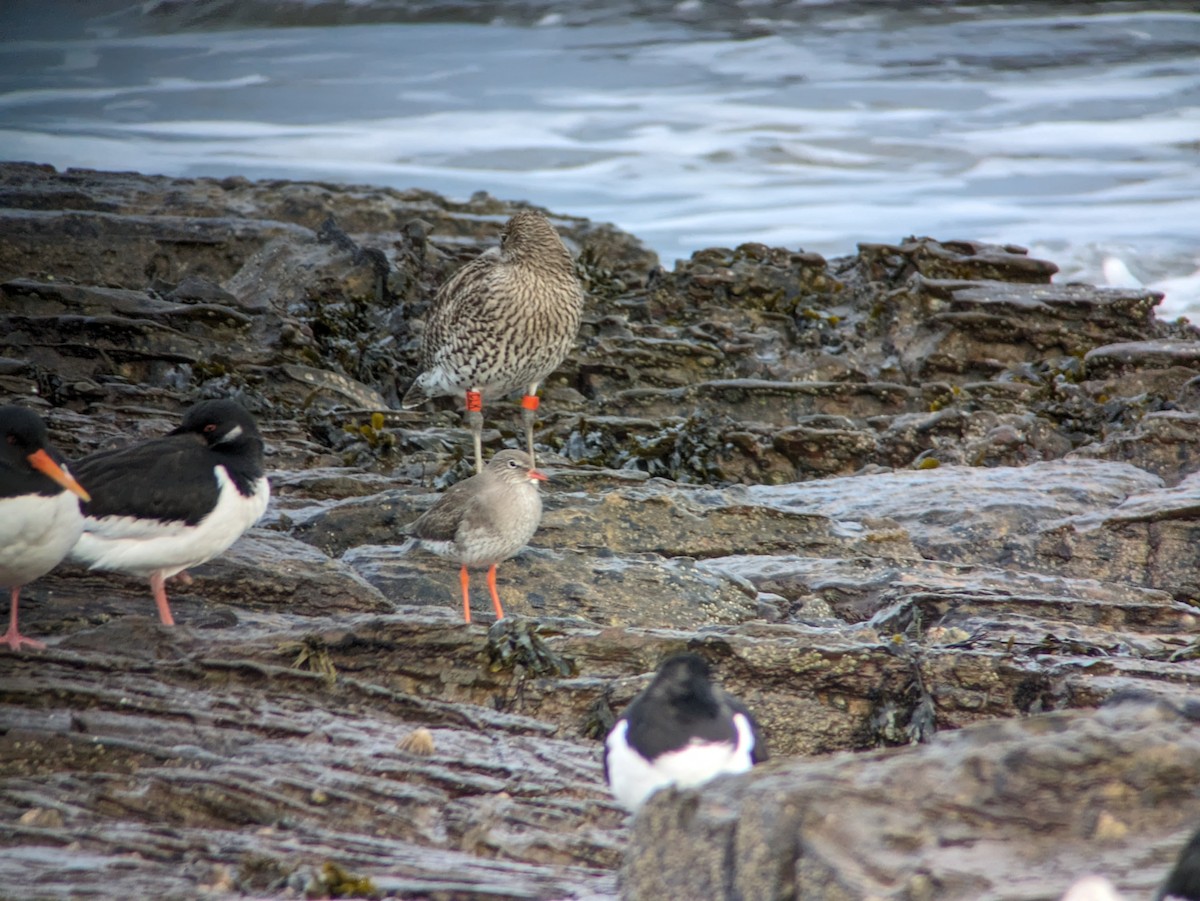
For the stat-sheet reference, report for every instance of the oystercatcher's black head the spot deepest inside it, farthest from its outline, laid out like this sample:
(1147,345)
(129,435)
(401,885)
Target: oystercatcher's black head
(685,702)
(23,433)
(222,424)
(28,464)
(685,682)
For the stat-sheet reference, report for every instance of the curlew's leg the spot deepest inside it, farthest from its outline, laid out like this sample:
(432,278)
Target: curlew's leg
(465,578)
(160,597)
(474,418)
(529,405)
(13,637)
(495,596)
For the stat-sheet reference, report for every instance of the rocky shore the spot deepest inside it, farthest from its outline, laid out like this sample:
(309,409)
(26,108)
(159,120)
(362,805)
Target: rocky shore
(929,513)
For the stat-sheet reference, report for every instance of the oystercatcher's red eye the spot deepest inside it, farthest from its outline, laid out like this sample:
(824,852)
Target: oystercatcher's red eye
(211,427)
(12,439)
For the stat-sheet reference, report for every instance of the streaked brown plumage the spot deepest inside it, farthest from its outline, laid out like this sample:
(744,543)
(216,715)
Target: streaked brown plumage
(484,520)
(504,321)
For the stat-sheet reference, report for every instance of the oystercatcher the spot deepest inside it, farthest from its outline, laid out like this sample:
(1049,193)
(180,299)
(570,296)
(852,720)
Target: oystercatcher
(39,509)
(173,502)
(484,520)
(682,730)
(506,320)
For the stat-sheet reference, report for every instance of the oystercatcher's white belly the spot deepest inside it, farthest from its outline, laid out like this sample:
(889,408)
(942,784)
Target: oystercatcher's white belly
(36,531)
(142,547)
(633,778)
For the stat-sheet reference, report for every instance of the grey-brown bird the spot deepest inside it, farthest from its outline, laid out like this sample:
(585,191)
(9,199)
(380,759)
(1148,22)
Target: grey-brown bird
(484,520)
(504,321)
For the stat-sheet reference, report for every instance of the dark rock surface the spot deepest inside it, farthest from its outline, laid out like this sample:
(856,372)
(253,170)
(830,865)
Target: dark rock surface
(922,495)
(999,810)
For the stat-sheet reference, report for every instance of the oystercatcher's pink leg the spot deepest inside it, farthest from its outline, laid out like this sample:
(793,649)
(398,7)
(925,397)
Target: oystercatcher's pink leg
(13,637)
(160,597)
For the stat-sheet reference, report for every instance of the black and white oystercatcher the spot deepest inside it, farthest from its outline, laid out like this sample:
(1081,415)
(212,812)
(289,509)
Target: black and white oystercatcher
(484,520)
(506,320)
(173,502)
(39,509)
(682,730)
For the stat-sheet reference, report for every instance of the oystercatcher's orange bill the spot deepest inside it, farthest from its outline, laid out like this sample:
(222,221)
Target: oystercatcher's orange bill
(40,460)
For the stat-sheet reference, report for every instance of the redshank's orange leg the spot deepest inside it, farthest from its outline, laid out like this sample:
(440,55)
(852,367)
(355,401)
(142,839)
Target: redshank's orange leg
(465,578)
(13,637)
(529,405)
(495,596)
(160,597)
(474,417)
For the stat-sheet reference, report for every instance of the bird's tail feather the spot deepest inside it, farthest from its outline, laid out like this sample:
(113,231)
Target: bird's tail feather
(415,395)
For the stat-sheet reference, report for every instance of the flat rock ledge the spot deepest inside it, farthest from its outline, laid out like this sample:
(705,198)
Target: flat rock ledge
(930,513)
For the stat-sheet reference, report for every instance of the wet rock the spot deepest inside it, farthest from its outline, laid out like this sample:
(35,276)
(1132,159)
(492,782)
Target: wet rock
(175,755)
(960,818)
(987,327)
(981,515)
(1136,355)
(268,571)
(1163,442)
(642,590)
(774,402)
(1149,539)
(918,496)
(955,260)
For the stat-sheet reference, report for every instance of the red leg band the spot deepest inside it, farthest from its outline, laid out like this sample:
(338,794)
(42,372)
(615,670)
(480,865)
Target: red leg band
(474,402)
(530,401)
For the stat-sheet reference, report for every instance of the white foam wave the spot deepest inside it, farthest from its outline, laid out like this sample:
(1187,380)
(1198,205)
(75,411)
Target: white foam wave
(35,96)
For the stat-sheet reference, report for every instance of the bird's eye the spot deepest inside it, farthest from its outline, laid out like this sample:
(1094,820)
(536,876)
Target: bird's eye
(513,464)
(12,439)
(211,427)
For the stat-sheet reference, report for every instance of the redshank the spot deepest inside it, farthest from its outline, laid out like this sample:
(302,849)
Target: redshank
(484,520)
(504,321)
(682,730)
(173,502)
(39,509)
